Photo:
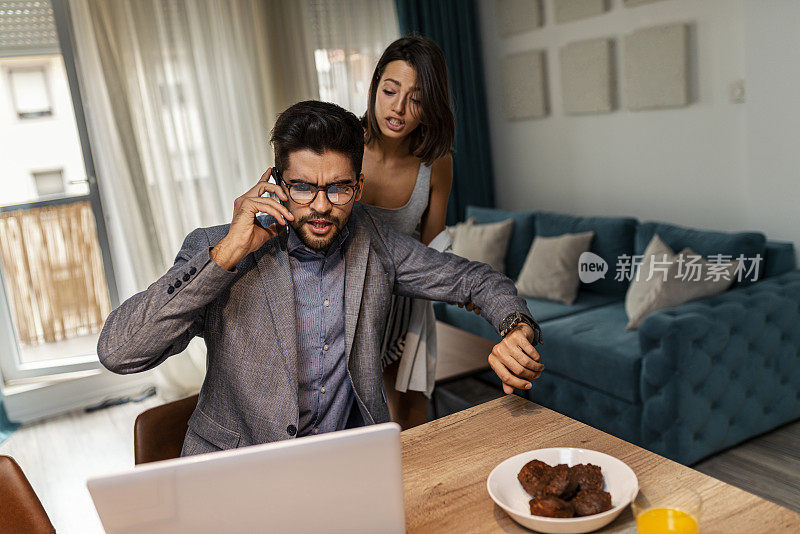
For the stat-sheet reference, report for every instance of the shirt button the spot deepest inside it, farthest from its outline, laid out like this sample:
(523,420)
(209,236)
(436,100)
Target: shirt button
(322,389)
(327,302)
(324,347)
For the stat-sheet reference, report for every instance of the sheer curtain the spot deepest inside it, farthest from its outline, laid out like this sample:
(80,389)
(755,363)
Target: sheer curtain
(347,39)
(180,97)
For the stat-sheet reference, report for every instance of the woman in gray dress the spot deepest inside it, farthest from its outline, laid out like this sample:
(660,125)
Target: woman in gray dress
(408,168)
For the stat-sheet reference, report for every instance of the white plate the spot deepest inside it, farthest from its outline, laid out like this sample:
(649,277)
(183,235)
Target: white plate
(507,492)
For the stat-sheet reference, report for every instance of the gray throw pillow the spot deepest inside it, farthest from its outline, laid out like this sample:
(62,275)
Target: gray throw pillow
(551,268)
(665,280)
(487,243)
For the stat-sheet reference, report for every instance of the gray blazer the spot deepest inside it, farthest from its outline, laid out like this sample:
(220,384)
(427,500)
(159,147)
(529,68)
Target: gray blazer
(248,321)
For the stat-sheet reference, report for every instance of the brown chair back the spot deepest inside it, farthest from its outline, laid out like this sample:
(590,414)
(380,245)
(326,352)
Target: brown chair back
(21,511)
(158,433)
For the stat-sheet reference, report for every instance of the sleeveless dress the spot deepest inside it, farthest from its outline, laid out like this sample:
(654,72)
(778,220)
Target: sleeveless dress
(410,334)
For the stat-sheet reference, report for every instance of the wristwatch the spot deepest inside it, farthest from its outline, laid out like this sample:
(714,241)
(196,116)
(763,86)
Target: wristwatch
(513,320)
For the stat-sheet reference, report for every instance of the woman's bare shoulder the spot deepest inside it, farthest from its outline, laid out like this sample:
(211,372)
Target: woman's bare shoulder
(442,171)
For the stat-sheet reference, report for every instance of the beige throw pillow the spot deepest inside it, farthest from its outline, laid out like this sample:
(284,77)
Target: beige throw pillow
(487,243)
(665,280)
(551,268)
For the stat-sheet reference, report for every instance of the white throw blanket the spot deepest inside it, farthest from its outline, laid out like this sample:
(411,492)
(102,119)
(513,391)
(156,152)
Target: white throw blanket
(417,368)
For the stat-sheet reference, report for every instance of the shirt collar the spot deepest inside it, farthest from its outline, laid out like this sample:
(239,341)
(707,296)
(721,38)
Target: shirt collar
(296,247)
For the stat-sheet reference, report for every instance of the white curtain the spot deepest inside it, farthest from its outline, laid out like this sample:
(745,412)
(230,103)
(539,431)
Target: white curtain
(180,96)
(347,39)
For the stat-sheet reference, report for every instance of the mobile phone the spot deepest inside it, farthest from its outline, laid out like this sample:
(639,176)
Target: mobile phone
(275,177)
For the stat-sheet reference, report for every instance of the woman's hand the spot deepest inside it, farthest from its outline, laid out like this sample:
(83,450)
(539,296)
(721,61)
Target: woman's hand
(470,306)
(245,234)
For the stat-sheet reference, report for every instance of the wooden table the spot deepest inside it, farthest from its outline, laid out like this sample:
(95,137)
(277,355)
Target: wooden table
(446,463)
(459,353)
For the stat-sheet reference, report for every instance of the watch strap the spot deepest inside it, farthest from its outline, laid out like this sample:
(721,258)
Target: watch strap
(514,319)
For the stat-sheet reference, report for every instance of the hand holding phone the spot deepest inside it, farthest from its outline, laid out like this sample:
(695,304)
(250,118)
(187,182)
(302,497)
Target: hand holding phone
(245,234)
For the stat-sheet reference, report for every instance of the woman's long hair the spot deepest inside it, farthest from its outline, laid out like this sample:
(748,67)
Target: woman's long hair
(433,138)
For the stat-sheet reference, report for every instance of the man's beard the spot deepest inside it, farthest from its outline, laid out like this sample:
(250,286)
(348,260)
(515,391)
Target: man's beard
(312,241)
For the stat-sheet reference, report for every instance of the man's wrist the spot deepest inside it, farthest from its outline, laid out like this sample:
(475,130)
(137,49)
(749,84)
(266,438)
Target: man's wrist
(524,327)
(511,321)
(224,256)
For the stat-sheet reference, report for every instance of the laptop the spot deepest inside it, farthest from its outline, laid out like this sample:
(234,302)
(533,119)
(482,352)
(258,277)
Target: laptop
(348,481)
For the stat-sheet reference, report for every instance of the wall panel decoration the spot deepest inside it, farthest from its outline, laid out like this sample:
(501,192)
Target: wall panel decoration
(524,79)
(569,10)
(588,76)
(518,16)
(656,67)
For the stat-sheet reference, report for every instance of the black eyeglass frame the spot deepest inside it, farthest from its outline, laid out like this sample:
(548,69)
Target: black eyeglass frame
(278,174)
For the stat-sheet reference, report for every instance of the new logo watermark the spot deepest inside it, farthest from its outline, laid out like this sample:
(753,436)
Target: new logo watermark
(686,267)
(591,267)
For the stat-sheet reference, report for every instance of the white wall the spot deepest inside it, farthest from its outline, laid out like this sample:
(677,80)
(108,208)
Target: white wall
(772,34)
(688,165)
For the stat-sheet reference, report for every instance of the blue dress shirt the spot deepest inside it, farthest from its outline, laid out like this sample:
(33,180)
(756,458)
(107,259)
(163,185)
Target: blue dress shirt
(325,394)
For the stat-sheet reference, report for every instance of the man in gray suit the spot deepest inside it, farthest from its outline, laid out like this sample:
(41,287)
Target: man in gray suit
(292,304)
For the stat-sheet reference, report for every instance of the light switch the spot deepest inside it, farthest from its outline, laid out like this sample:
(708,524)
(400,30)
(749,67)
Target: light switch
(738,93)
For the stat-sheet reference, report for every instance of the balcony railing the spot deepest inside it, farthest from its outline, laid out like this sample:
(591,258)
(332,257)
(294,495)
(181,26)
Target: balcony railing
(53,270)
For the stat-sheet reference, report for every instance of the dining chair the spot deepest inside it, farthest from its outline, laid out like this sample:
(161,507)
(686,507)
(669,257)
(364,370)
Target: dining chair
(21,511)
(158,433)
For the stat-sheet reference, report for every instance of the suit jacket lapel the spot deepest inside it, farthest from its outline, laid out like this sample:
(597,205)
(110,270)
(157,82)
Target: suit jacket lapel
(355,256)
(273,265)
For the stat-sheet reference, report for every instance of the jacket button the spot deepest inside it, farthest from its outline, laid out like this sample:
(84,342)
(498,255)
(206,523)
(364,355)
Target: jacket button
(177,283)
(291,430)
(170,290)
(192,270)
(186,277)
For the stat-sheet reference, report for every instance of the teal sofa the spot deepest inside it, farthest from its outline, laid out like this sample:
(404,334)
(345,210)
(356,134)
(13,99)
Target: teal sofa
(692,380)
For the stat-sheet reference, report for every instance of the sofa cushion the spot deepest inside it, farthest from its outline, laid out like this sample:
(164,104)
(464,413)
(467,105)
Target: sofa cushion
(551,268)
(486,243)
(613,237)
(521,236)
(461,318)
(543,311)
(779,258)
(593,348)
(705,242)
(666,280)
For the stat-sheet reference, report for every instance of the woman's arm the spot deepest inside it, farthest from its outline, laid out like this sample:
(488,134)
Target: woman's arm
(441,181)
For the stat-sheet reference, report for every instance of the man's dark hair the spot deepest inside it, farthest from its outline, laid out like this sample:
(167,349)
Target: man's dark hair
(317,126)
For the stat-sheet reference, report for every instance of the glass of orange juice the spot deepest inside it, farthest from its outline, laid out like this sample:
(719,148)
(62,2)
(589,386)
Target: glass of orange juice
(667,513)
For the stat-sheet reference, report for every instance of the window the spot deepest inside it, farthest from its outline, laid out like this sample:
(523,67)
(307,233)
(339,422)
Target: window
(347,39)
(343,77)
(53,263)
(49,182)
(29,92)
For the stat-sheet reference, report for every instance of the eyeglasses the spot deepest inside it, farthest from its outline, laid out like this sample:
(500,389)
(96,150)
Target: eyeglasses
(305,193)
